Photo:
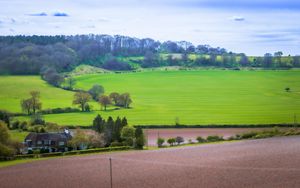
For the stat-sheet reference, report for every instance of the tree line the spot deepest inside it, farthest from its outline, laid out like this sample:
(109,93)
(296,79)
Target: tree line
(35,54)
(51,55)
(227,60)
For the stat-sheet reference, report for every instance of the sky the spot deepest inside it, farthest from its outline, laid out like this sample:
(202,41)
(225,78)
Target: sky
(252,27)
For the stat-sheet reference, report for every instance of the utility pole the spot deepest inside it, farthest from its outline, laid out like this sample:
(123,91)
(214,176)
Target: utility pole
(147,139)
(110,166)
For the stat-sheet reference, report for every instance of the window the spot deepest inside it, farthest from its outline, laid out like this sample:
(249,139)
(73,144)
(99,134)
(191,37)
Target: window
(47,142)
(61,143)
(39,142)
(29,142)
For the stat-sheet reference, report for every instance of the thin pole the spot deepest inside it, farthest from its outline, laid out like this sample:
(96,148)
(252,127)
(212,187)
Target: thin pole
(147,139)
(110,165)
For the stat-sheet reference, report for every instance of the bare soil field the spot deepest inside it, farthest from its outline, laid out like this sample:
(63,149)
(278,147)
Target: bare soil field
(273,162)
(192,133)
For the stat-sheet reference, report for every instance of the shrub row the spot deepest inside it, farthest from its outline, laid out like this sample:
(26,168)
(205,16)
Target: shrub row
(212,138)
(59,110)
(248,135)
(265,134)
(104,149)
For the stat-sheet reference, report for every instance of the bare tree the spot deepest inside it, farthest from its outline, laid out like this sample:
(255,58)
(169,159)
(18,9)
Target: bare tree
(70,82)
(35,101)
(32,104)
(104,101)
(81,98)
(26,105)
(115,97)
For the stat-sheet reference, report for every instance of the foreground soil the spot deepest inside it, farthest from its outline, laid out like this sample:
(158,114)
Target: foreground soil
(273,162)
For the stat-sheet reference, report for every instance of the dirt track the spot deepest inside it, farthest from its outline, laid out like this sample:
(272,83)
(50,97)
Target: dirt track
(273,162)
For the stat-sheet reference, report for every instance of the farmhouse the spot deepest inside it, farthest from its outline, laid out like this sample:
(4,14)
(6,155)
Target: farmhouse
(49,142)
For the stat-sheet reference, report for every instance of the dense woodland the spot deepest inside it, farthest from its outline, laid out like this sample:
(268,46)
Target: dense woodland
(50,55)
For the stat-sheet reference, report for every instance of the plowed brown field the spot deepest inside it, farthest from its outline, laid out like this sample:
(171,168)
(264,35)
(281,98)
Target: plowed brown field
(273,162)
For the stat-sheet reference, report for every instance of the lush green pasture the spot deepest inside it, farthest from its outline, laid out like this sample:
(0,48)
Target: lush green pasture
(195,97)
(198,97)
(15,88)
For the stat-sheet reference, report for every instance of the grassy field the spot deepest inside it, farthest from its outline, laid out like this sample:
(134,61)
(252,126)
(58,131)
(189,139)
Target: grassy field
(193,97)
(15,88)
(18,135)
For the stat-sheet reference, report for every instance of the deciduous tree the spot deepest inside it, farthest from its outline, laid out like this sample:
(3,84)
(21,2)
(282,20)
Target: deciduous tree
(96,91)
(81,98)
(104,101)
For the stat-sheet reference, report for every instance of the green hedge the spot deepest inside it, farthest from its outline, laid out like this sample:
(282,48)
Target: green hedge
(71,152)
(25,156)
(104,149)
(51,154)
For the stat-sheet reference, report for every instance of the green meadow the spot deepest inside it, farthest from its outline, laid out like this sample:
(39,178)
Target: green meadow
(15,88)
(160,97)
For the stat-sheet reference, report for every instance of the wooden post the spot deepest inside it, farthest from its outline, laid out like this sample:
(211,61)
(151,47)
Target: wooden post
(110,166)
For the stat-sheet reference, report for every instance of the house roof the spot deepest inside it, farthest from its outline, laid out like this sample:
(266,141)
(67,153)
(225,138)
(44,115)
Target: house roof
(48,136)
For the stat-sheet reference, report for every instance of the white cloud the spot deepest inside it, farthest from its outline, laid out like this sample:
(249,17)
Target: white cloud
(237,18)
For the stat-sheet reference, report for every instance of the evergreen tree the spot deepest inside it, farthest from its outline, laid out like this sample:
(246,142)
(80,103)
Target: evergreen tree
(117,130)
(108,131)
(124,122)
(98,124)
(139,138)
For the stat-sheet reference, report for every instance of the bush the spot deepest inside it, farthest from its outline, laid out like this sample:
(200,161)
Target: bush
(45,150)
(160,142)
(104,149)
(59,110)
(71,152)
(191,141)
(51,154)
(25,156)
(6,151)
(116,144)
(94,150)
(214,138)
(171,141)
(23,126)
(200,139)
(248,135)
(179,140)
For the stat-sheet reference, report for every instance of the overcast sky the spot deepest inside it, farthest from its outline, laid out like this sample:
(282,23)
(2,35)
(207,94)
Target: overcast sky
(253,27)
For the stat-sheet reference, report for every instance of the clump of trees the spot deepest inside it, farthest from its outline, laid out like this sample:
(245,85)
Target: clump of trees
(114,64)
(32,104)
(8,147)
(118,133)
(122,100)
(52,76)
